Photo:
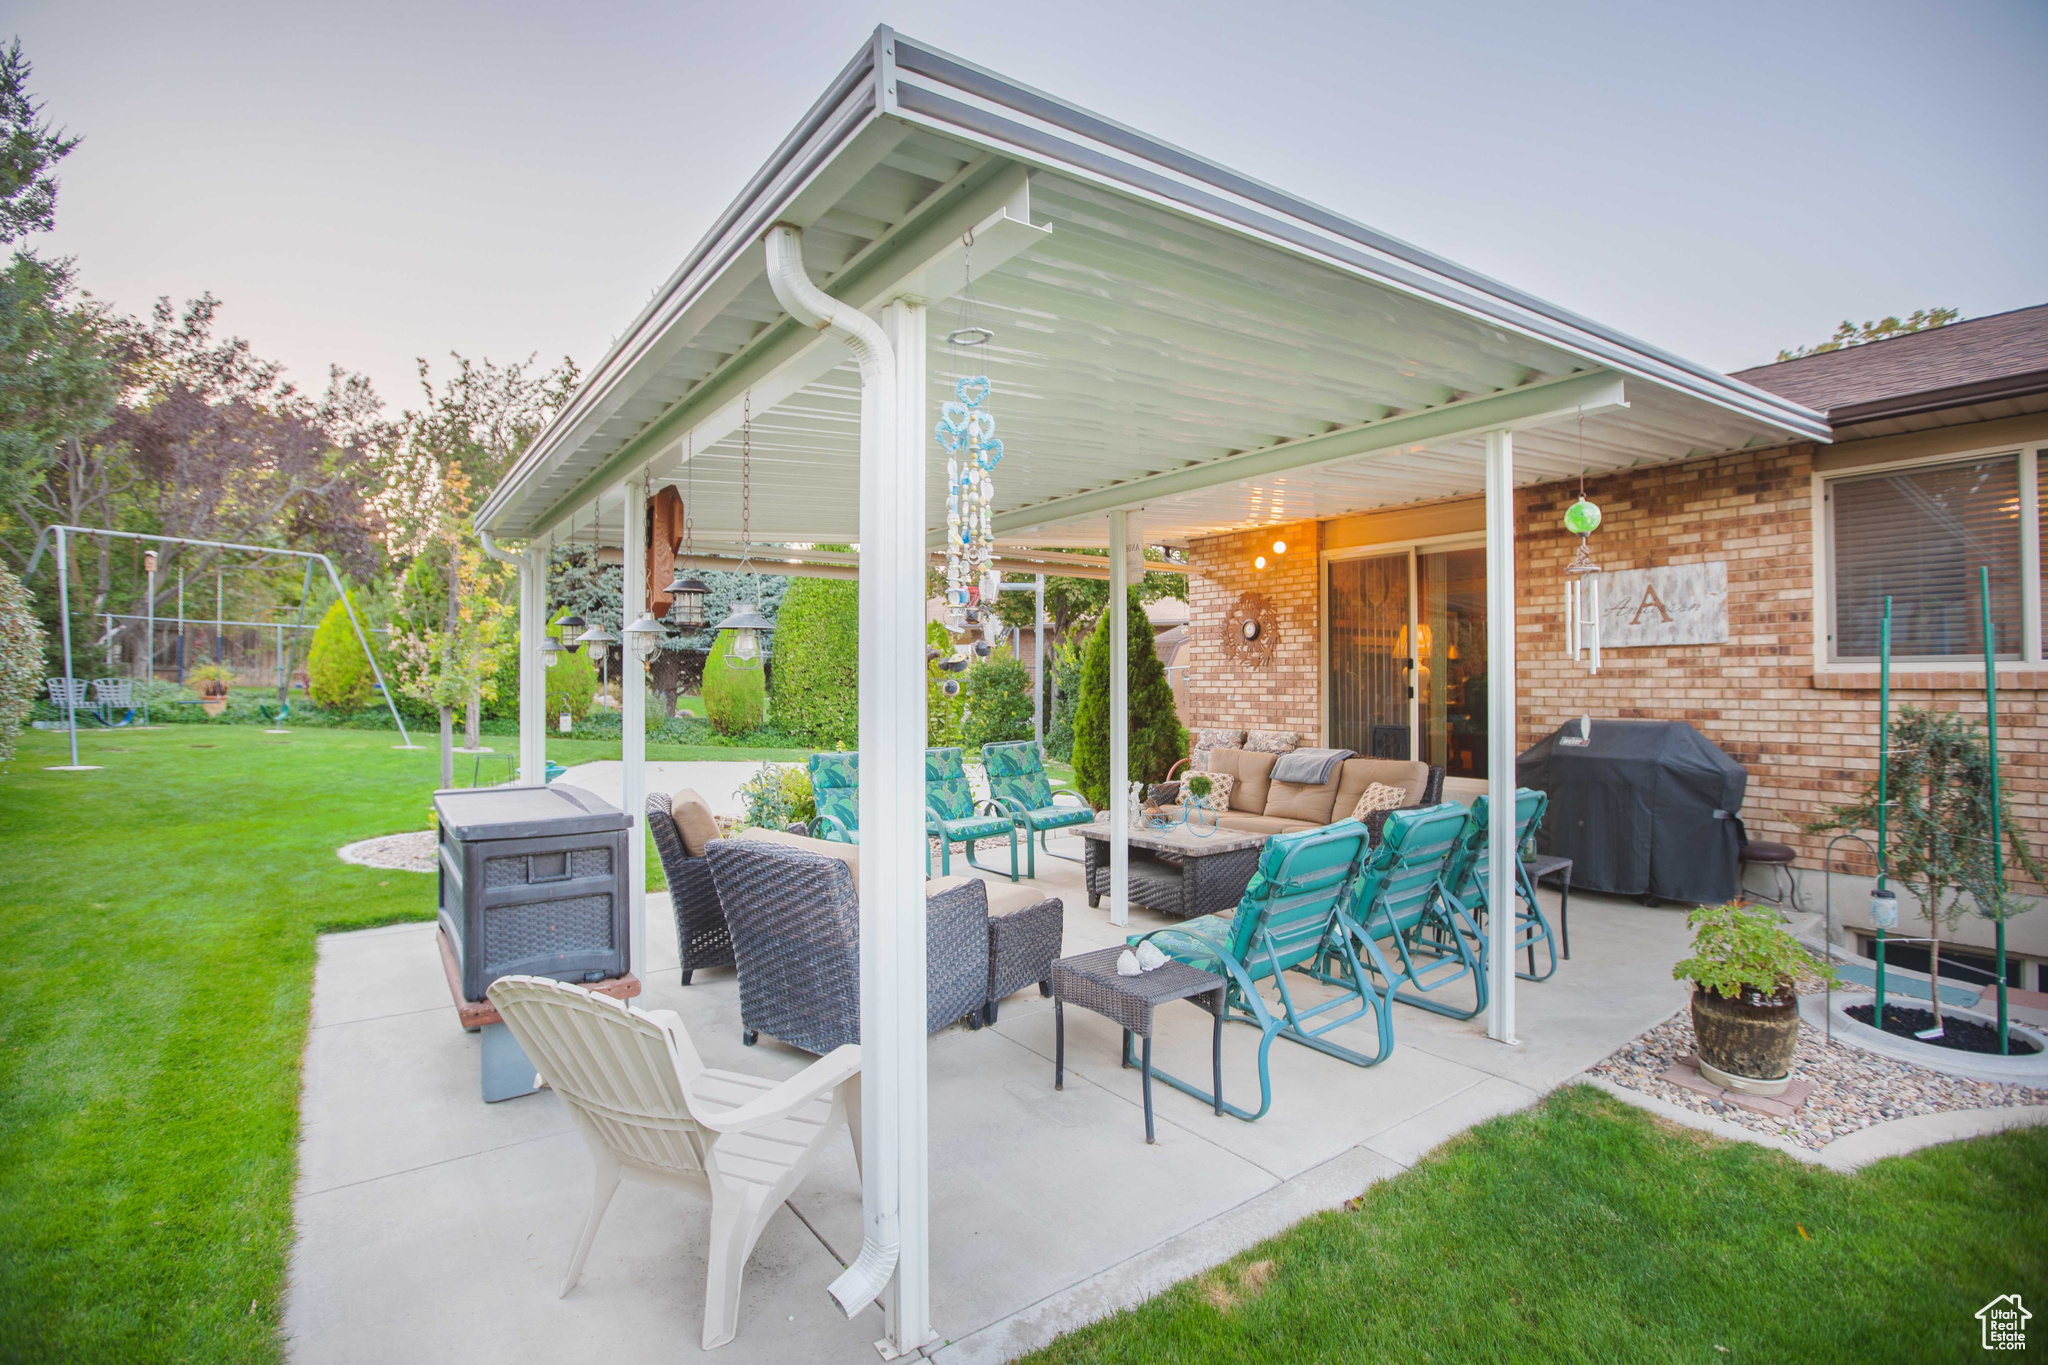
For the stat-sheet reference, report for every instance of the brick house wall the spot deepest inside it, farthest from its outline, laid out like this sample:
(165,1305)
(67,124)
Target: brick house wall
(1807,737)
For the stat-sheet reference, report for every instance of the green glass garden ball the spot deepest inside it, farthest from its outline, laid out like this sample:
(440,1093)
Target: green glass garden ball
(1582,518)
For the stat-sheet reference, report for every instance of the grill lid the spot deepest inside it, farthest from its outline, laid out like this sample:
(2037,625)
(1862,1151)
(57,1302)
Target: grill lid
(474,814)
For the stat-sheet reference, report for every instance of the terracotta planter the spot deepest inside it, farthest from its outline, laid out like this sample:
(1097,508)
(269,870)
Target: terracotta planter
(212,705)
(1748,1042)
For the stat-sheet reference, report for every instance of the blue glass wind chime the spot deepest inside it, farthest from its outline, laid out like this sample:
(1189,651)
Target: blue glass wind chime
(966,431)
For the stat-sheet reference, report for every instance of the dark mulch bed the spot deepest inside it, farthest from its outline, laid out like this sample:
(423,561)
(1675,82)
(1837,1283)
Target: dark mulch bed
(1960,1035)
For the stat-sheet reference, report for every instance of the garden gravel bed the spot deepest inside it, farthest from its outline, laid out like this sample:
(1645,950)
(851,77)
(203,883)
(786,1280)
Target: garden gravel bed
(412,851)
(1852,1089)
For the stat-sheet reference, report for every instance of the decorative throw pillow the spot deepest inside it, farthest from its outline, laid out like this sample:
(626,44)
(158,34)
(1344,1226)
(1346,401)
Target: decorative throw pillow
(1272,741)
(694,821)
(1198,761)
(1218,739)
(1378,797)
(1162,794)
(1217,798)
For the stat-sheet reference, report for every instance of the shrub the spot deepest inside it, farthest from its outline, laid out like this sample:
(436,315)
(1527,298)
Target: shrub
(1157,738)
(998,695)
(337,675)
(1065,680)
(571,682)
(736,699)
(21,659)
(778,795)
(817,661)
(941,712)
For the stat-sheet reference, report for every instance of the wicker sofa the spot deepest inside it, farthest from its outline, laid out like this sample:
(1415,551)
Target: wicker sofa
(1259,805)
(792,907)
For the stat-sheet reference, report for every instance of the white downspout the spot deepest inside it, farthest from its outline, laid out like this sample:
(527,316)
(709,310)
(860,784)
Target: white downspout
(894,1254)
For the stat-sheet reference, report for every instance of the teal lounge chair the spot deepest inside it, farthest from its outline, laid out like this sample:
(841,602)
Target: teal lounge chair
(1288,921)
(835,786)
(950,817)
(1399,899)
(1017,781)
(1466,878)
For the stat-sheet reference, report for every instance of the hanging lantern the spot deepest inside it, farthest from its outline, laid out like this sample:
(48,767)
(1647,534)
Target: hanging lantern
(597,637)
(747,627)
(572,622)
(686,601)
(551,650)
(644,637)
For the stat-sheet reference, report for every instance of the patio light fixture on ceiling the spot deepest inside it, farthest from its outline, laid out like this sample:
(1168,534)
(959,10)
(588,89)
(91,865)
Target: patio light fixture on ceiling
(745,623)
(595,635)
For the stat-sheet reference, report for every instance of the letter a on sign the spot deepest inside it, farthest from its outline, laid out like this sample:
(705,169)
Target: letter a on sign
(1650,599)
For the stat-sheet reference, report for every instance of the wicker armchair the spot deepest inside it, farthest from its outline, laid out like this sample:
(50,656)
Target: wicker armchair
(701,935)
(795,920)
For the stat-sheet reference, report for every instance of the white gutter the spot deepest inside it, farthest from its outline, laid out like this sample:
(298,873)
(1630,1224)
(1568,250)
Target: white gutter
(892,938)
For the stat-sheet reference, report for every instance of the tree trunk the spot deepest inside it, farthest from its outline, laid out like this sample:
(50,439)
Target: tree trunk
(447,748)
(471,715)
(1934,971)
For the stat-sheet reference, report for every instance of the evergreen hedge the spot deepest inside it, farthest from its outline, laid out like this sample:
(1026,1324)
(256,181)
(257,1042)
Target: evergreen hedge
(998,695)
(338,676)
(735,699)
(1157,738)
(817,661)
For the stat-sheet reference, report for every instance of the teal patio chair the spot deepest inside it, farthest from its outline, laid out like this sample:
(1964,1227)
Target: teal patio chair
(835,786)
(950,817)
(1465,877)
(1288,921)
(1399,897)
(1017,782)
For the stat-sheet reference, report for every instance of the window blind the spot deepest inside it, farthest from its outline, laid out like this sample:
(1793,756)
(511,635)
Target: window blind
(1919,536)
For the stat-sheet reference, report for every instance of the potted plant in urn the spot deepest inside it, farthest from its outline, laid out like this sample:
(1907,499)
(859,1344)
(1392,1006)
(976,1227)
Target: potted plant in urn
(211,682)
(1745,1008)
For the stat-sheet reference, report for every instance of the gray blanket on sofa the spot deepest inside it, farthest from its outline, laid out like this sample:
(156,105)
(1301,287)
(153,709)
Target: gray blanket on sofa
(1312,766)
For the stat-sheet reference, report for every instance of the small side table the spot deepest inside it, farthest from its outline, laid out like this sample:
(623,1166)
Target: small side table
(1090,981)
(1550,865)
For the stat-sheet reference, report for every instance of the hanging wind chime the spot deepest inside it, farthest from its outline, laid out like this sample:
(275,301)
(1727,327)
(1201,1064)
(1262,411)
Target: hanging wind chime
(746,624)
(1582,575)
(966,431)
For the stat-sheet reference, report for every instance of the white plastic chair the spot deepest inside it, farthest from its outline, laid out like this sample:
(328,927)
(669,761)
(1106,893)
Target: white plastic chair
(650,1110)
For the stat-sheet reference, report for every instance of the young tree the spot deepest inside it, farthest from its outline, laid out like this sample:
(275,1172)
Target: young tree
(1157,738)
(29,152)
(1938,825)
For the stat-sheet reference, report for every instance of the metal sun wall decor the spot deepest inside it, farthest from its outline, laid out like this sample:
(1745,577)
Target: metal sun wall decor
(1251,631)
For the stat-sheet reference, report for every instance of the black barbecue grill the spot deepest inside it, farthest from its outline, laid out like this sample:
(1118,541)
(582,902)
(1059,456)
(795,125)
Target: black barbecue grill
(1643,808)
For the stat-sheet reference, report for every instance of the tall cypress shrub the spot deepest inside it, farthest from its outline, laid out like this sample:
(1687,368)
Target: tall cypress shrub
(1157,738)
(817,661)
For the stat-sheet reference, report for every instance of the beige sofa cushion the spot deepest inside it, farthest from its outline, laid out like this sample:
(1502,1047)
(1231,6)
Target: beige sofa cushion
(1004,898)
(1254,774)
(1305,801)
(1360,773)
(830,848)
(693,821)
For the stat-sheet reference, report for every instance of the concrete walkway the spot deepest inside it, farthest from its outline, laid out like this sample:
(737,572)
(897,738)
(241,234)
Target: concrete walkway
(432,1226)
(716,780)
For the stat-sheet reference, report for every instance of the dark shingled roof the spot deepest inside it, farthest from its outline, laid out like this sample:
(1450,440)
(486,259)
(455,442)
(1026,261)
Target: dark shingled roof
(2001,356)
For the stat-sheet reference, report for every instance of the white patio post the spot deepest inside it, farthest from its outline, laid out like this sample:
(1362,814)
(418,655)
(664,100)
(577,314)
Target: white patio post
(1500,734)
(894,1262)
(633,714)
(1038,665)
(1119,722)
(533,668)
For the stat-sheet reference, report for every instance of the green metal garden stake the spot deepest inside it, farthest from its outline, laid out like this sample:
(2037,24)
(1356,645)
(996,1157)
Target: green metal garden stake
(1997,856)
(1884,736)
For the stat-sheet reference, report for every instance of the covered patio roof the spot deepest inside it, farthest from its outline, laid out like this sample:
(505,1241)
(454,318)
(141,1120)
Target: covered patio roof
(1169,334)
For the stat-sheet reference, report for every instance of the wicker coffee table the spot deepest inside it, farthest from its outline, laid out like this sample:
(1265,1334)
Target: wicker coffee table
(1176,870)
(1090,981)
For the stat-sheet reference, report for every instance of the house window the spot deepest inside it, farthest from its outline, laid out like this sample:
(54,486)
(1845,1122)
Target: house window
(1919,535)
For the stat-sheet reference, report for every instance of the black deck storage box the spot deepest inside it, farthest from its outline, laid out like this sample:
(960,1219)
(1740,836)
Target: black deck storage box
(533,882)
(1646,809)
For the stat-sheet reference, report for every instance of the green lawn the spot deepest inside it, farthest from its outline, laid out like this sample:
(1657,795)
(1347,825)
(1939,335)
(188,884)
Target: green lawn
(156,954)
(1585,1230)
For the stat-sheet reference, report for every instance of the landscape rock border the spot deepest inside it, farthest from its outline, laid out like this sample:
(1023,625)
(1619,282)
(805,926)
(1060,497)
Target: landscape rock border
(1814,1012)
(412,851)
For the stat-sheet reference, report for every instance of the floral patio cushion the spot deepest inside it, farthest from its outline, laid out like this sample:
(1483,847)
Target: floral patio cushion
(976,827)
(1059,817)
(1272,741)
(947,795)
(835,784)
(1016,776)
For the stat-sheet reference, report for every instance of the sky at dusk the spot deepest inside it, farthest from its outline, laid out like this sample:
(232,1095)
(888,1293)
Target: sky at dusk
(371,183)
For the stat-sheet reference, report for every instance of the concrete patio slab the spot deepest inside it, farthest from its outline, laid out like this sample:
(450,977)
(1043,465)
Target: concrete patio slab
(432,1224)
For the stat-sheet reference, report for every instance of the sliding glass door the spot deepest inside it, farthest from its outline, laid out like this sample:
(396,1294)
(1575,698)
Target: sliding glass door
(1407,656)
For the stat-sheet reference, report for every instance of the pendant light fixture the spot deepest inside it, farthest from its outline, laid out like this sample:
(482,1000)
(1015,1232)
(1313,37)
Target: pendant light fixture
(746,624)
(687,592)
